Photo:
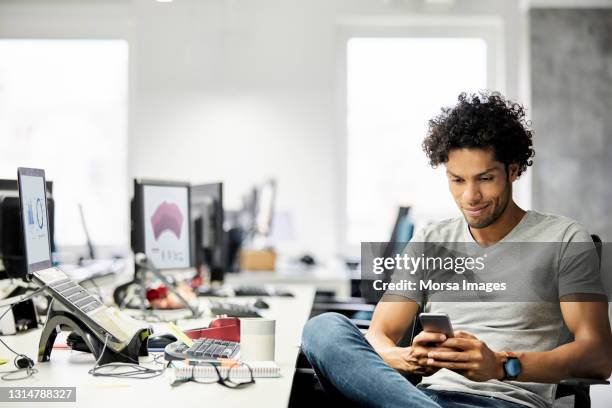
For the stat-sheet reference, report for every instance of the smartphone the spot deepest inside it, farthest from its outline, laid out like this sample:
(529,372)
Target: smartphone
(436,323)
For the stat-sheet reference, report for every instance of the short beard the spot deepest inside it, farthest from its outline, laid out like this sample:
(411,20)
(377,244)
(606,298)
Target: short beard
(495,216)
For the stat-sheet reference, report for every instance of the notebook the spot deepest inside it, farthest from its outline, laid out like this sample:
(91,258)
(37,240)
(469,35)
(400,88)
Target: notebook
(261,369)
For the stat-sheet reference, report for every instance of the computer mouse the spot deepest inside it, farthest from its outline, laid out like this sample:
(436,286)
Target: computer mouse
(260,304)
(308,260)
(160,341)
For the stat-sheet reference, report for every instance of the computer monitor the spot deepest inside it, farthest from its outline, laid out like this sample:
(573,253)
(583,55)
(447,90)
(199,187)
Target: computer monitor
(400,236)
(161,223)
(402,232)
(209,236)
(33,201)
(12,250)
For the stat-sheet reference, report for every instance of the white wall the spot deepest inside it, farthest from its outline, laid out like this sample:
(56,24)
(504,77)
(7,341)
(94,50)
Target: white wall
(240,90)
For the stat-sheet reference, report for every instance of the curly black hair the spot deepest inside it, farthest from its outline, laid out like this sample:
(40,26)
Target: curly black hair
(483,120)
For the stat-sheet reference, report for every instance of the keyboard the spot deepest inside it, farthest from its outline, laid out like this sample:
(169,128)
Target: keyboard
(233,309)
(202,349)
(77,295)
(251,291)
(259,291)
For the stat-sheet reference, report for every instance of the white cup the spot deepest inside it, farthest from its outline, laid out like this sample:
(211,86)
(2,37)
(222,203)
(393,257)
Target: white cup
(257,339)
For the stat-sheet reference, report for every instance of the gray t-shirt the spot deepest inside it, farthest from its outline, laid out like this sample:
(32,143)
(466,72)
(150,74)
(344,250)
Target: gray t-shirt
(515,325)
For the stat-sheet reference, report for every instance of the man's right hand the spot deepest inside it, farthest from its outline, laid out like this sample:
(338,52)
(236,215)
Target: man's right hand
(413,359)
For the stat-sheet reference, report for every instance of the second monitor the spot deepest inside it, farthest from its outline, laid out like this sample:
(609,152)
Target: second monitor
(209,236)
(161,223)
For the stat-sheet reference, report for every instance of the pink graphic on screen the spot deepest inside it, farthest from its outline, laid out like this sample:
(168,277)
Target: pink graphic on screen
(167,217)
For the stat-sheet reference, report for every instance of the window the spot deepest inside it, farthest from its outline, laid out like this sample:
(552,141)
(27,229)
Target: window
(394,86)
(64,108)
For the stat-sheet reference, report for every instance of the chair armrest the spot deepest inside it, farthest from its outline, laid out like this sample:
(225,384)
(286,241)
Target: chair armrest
(579,388)
(362,324)
(334,299)
(583,382)
(347,309)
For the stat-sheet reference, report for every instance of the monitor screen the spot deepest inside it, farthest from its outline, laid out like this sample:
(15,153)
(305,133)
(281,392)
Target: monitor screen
(34,218)
(12,246)
(166,225)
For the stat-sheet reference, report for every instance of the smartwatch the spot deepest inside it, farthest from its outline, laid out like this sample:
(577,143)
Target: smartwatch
(512,366)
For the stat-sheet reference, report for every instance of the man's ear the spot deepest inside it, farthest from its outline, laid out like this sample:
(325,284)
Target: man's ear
(513,170)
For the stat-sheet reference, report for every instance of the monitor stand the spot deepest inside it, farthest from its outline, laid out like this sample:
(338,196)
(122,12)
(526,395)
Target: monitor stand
(59,317)
(141,267)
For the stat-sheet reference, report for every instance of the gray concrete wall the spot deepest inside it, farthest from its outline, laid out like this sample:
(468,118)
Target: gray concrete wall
(571,77)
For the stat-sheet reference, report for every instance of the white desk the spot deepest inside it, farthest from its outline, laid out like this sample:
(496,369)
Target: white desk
(69,369)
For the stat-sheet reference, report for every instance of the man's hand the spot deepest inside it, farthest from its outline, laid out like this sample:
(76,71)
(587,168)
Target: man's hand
(413,359)
(400,358)
(472,358)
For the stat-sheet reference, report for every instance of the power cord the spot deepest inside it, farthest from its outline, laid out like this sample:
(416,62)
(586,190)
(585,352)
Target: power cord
(135,370)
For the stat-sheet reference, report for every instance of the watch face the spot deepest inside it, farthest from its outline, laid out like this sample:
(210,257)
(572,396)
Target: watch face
(512,367)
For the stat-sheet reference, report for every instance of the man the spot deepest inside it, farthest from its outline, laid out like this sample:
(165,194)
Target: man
(505,354)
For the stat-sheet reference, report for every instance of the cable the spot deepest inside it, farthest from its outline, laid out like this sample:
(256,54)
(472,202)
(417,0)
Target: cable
(21,300)
(10,349)
(101,354)
(21,361)
(29,368)
(25,361)
(137,371)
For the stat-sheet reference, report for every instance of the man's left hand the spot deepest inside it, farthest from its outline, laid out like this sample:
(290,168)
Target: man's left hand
(475,360)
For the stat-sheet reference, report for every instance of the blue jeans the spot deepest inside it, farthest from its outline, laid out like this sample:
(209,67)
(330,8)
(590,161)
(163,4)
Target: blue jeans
(347,365)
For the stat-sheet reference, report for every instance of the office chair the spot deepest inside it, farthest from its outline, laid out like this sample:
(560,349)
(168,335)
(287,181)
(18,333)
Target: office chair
(307,389)
(360,306)
(579,387)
